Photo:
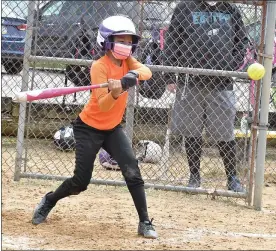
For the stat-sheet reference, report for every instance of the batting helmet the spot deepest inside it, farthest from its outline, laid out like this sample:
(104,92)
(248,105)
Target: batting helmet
(116,25)
(148,151)
(64,138)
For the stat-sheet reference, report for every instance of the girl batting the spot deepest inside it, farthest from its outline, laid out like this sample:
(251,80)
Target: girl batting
(98,125)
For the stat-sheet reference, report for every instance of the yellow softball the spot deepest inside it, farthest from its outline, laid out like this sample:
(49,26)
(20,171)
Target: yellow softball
(256,71)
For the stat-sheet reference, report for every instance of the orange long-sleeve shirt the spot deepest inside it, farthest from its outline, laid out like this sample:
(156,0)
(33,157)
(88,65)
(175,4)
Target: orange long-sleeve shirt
(102,111)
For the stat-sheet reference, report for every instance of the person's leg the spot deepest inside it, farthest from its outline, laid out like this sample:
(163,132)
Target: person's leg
(188,120)
(118,145)
(220,126)
(193,147)
(88,143)
(227,151)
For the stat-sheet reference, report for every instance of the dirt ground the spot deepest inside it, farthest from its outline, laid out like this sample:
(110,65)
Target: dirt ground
(104,218)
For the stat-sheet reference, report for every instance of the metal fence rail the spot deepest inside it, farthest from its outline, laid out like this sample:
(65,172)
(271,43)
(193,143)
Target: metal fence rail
(59,48)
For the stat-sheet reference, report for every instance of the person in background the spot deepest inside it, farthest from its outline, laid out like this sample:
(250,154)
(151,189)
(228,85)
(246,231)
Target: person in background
(207,35)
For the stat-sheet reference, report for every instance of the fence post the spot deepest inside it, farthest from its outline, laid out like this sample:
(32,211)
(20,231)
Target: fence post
(256,109)
(261,148)
(132,91)
(24,87)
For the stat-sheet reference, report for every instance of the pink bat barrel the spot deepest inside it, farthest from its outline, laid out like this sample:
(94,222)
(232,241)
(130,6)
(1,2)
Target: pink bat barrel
(52,92)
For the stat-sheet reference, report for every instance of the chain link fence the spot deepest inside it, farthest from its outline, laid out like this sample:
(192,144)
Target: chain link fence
(49,44)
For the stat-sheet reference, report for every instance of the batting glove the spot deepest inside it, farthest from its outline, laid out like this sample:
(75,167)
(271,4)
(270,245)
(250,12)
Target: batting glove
(129,80)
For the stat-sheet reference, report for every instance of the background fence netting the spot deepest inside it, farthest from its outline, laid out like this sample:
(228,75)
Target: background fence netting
(53,43)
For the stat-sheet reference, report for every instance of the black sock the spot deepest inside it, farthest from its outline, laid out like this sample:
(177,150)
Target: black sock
(227,151)
(139,199)
(193,148)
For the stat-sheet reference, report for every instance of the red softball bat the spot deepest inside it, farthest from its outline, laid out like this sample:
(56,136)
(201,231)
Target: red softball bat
(52,92)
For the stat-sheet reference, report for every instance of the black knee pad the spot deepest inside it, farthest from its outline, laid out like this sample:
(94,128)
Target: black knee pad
(133,175)
(78,185)
(77,190)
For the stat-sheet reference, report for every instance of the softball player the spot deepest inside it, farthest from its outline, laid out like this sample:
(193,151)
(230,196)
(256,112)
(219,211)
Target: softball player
(98,125)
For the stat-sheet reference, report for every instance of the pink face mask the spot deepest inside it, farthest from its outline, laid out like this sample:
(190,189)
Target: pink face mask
(121,51)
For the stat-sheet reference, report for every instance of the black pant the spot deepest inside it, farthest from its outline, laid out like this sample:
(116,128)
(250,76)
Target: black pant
(227,151)
(88,143)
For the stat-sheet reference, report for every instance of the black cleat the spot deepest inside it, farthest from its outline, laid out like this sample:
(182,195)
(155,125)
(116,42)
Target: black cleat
(146,229)
(42,210)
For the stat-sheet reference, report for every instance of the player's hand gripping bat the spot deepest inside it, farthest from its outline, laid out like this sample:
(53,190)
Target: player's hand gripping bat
(129,80)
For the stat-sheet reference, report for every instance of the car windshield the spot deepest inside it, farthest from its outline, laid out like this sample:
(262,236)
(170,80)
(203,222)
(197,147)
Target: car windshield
(15,9)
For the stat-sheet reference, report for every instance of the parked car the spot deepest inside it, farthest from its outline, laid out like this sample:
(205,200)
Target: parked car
(68,29)
(13,35)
